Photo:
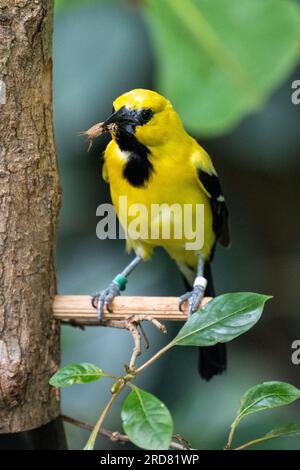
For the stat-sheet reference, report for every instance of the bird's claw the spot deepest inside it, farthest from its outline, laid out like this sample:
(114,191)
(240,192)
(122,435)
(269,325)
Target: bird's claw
(183,298)
(194,298)
(105,298)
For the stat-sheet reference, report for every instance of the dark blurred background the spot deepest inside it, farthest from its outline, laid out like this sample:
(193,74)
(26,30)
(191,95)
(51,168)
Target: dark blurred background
(102,49)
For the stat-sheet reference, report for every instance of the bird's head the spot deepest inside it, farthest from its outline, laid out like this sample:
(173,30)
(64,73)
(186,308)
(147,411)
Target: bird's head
(141,114)
(145,114)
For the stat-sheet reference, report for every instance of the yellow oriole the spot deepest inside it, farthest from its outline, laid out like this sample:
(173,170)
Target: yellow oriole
(152,160)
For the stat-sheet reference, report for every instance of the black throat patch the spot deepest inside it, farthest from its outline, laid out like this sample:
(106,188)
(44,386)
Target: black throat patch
(138,168)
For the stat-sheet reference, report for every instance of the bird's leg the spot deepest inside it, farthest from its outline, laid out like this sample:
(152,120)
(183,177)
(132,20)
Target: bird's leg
(118,284)
(195,296)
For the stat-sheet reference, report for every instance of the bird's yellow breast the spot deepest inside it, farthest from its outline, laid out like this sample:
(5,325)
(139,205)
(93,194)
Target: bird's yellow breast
(172,182)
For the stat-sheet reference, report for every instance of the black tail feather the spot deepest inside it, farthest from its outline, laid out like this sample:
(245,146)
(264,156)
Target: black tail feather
(212,359)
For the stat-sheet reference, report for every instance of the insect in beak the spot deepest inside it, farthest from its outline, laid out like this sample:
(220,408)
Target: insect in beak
(124,118)
(98,129)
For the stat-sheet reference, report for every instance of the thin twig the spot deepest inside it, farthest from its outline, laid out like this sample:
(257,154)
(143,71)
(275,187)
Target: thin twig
(146,341)
(154,321)
(132,328)
(181,440)
(133,323)
(97,428)
(116,436)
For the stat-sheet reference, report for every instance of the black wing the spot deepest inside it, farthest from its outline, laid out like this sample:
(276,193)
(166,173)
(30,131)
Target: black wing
(219,209)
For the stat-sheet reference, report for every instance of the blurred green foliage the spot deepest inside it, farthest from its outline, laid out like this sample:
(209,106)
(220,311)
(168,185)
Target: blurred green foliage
(219,60)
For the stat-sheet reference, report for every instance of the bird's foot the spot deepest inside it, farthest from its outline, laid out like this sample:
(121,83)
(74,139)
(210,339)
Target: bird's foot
(195,296)
(105,298)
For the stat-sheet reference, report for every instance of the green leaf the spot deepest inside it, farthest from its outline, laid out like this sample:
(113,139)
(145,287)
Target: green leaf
(266,396)
(220,60)
(146,420)
(287,430)
(76,374)
(283,431)
(222,319)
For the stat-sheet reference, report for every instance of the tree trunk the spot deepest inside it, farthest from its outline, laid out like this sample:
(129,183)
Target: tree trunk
(29,202)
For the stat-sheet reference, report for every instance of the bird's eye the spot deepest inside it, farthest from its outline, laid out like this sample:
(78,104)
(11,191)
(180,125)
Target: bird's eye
(146,115)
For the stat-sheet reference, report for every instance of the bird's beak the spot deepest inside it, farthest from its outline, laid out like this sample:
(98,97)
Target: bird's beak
(124,117)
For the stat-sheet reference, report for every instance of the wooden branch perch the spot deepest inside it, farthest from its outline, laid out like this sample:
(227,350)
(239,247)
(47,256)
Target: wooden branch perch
(78,309)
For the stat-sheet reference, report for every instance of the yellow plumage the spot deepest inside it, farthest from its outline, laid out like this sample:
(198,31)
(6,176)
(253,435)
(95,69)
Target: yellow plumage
(175,157)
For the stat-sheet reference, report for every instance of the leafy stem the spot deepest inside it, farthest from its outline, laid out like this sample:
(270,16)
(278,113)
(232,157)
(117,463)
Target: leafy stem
(131,372)
(220,320)
(154,358)
(231,434)
(253,442)
(92,439)
(120,385)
